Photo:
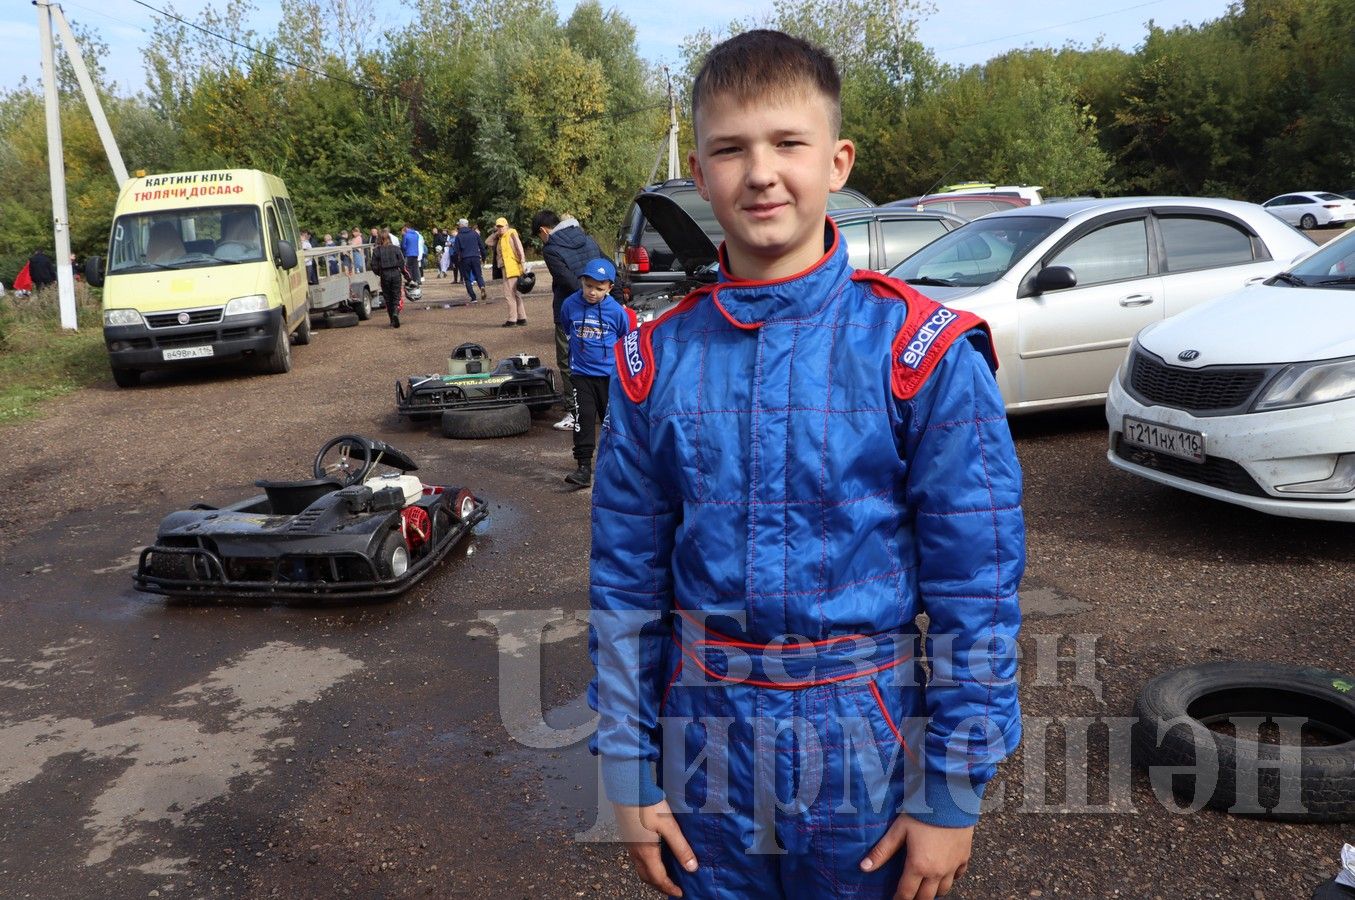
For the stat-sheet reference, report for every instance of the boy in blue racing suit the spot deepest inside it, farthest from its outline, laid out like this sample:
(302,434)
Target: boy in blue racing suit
(594,322)
(797,461)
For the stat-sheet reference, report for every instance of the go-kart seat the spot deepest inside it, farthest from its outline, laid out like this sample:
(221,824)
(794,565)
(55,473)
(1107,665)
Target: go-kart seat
(288,498)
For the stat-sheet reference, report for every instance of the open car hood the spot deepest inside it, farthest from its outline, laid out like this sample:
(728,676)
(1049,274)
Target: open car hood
(692,246)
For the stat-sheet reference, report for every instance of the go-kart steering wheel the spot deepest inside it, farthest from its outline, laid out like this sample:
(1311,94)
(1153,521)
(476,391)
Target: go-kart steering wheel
(347,458)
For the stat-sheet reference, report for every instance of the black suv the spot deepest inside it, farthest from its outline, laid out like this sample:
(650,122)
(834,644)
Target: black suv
(643,258)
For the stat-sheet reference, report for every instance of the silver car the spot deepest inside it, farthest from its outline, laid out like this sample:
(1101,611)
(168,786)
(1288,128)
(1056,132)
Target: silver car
(1065,286)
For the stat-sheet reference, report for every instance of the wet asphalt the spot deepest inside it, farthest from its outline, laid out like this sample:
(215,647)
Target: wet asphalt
(390,750)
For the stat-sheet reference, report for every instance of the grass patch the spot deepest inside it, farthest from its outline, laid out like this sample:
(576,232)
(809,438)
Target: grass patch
(39,359)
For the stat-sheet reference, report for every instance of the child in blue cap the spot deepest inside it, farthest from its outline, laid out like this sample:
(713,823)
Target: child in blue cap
(594,322)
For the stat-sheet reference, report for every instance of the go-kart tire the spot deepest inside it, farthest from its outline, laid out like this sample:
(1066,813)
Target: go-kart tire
(342,319)
(1211,692)
(508,421)
(363,308)
(388,556)
(464,504)
(302,336)
(126,378)
(178,566)
(279,359)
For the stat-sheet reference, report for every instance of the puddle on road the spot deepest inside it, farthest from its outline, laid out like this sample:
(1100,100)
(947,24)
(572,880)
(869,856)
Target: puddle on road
(173,763)
(1044,602)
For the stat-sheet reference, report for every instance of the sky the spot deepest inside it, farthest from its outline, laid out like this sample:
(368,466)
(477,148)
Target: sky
(959,32)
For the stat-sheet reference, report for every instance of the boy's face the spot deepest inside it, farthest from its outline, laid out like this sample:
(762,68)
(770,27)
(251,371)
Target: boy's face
(594,290)
(767,168)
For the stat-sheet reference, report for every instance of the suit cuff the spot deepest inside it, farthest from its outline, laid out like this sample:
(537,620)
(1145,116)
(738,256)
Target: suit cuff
(951,801)
(630,782)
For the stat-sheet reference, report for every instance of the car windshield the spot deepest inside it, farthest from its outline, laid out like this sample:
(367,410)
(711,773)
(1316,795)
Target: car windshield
(1329,197)
(185,239)
(1333,265)
(977,253)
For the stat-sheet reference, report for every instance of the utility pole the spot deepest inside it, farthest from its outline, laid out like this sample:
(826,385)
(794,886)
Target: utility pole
(49,13)
(56,168)
(674,166)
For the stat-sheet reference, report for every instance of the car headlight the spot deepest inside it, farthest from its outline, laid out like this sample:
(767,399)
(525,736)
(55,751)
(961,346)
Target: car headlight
(1304,384)
(252,304)
(115,317)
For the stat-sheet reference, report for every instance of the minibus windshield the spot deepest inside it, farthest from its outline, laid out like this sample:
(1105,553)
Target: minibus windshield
(185,239)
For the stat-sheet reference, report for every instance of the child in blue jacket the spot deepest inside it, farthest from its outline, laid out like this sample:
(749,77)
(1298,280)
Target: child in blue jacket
(797,461)
(594,322)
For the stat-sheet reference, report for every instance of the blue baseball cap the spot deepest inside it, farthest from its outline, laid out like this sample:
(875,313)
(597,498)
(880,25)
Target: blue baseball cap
(599,270)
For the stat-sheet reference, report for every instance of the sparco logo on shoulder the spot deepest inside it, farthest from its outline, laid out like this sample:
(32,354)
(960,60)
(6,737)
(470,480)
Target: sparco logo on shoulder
(633,360)
(917,348)
(1188,355)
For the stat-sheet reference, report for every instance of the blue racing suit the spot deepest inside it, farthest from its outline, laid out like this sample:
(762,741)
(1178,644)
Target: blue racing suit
(790,472)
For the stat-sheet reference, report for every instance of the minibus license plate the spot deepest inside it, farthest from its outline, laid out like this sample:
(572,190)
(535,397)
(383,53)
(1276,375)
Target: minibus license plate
(1171,441)
(186,352)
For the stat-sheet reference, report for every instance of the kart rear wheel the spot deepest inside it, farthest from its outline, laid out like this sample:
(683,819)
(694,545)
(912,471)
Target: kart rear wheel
(464,505)
(486,423)
(392,557)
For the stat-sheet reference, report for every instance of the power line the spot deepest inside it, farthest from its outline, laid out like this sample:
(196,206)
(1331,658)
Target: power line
(1006,37)
(612,116)
(264,53)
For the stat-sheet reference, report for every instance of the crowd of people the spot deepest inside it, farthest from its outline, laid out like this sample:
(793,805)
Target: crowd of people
(588,322)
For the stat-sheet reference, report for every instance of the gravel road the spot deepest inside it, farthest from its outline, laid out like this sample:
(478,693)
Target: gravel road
(151,749)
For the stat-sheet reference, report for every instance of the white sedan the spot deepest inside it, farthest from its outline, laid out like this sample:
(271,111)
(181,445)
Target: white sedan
(1250,399)
(1065,286)
(1312,209)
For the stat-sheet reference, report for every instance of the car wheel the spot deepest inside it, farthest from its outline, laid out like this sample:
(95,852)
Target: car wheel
(486,423)
(303,332)
(126,378)
(1184,720)
(279,360)
(392,557)
(363,308)
(1308,222)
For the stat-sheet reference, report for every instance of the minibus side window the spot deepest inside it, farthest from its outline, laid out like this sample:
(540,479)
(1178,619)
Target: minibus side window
(273,234)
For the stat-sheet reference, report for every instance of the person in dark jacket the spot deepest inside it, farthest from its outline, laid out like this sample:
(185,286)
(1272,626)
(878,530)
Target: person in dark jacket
(567,248)
(41,269)
(388,262)
(469,248)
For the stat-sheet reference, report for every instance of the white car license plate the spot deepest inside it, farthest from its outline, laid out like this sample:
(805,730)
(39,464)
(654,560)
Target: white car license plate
(1171,441)
(186,352)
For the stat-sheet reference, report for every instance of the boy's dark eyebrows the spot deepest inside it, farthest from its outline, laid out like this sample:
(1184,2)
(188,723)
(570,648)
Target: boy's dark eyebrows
(778,133)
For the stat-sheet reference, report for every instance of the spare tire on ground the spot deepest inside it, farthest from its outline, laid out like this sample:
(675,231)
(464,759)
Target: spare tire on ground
(507,421)
(1210,717)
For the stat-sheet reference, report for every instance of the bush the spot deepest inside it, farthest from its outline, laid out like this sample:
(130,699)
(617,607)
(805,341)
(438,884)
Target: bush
(38,358)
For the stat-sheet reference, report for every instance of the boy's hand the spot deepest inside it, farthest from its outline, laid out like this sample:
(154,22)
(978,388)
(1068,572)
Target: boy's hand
(936,856)
(641,828)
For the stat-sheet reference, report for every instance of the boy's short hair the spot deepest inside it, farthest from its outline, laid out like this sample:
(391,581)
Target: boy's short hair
(546,218)
(762,63)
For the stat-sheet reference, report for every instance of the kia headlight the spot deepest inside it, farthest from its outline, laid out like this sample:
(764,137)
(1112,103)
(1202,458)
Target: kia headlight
(118,317)
(1304,384)
(252,304)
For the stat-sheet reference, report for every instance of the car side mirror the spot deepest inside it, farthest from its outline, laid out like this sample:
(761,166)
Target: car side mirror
(94,271)
(1055,278)
(286,255)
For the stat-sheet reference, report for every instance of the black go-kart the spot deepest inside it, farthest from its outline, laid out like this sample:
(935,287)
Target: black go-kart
(479,398)
(346,534)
